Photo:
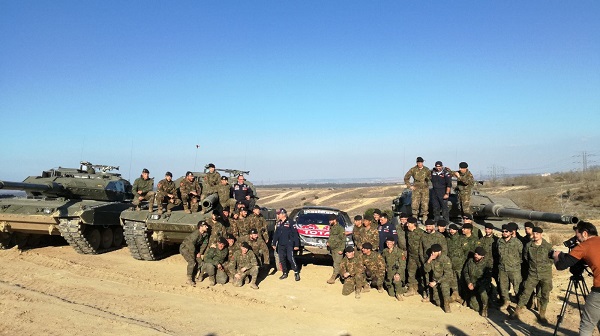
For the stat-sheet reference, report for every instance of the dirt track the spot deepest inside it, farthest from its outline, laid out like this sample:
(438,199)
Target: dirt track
(55,291)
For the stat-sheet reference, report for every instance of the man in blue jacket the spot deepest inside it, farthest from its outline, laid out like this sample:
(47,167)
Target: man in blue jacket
(285,242)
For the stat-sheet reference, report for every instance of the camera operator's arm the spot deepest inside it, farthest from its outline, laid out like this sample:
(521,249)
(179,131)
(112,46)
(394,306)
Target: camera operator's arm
(563,261)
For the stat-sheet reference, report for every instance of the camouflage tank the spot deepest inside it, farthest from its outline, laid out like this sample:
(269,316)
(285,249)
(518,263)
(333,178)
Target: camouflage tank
(149,234)
(82,205)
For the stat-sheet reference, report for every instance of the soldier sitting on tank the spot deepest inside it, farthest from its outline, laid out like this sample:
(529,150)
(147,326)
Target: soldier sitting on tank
(142,190)
(167,192)
(190,191)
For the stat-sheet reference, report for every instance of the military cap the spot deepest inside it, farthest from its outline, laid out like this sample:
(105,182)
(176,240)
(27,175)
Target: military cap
(243,209)
(224,178)
(404,215)
(384,215)
(240,202)
(412,220)
(538,229)
(246,245)
(215,213)
(512,226)
(480,250)
(256,207)
(145,171)
(463,165)
(230,236)
(252,231)
(453,227)
(223,241)
(210,165)
(468,216)
(332,217)
(367,246)
(528,224)
(430,221)
(202,223)
(377,211)
(282,211)
(442,222)
(168,174)
(439,163)
(188,173)
(505,227)
(436,248)
(420,159)
(467,226)
(489,226)
(369,217)
(349,249)
(358,217)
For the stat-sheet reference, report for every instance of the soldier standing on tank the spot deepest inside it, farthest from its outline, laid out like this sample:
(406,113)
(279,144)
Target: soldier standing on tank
(213,262)
(241,191)
(167,191)
(190,192)
(257,221)
(464,186)
(395,266)
(142,190)
(420,188)
(510,251)
(192,249)
(441,180)
(224,192)
(414,237)
(540,274)
(439,269)
(336,244)
(351,269)
(285,242)
(458,257)
(386,230)
(374,268)
(211,180)
(246,265)
(478,277)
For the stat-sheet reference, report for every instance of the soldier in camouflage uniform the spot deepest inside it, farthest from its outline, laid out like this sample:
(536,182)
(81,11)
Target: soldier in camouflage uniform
(241,225)
(464,186)
(420,188)
(458,257)
(439,269)
(336,244)
(214,259)
(210,181)
(395,266)
(246,264)
(478,277)
(229,265)
(510,251)
(540,273)
(224,192)
(258,222)
(259,247)
(370,234)
(142,190)
(357,230)
(352,271)
(167,191)
(192,249)
(489,243)
(374,268)
(471,241)
(414,237)
(430,238)
(217,229)
(190,192)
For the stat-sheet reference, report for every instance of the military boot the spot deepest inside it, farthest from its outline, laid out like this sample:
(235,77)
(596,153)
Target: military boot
(357,293)
(191,282)
(424,218)
(253,283)
(366,288)
(297,276)
(211,280)
(484,311)
(151,205)
(516,314)
(137,208)
(160,210)
(411,291)
(331,280)
(194,207)
(399,297)
(380,289)
(542,318)
(455,297)
(447,307)
(425,298)
(186,210)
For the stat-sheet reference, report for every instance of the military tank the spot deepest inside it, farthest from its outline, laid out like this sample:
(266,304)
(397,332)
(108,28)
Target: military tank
(82,205)
(150,234)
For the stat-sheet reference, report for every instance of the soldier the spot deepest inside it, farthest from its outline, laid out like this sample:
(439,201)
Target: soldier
(403,218)
(167,191)
(241,191)
(468,219)
(441,227)
(246,265)
(142,190)
(259,247)
(489,242)
(420,188)
(217,229)
(510,252)
(458,257)
(192,249)
(353,273)
(336,244)
(439,269)
(229,265)
(213,263)
(477,274)
(464,187)
(430,238)
(374,268)
(190,192)
(224,192)
(414,237)
(211,180)
(241,225)
(285,242)
(540,274)
(257,221)
(441,180)
(528,233)
(386,230)
(376,216)
(471,241)
(357,230)
(370,233)
(395,266)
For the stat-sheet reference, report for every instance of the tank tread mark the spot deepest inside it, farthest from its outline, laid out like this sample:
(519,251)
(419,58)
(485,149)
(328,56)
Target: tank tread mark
(74,234)
(139,241)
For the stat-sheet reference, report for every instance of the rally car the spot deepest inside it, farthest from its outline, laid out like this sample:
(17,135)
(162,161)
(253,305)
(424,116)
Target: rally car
(312,223)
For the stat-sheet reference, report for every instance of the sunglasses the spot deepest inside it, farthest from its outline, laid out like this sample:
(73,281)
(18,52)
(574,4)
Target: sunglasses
(504,230)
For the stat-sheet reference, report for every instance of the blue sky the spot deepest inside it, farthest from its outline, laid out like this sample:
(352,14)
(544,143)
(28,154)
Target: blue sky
(298,90)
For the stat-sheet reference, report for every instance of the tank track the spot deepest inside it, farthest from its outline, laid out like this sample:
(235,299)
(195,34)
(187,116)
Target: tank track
(73,233)
(140,242)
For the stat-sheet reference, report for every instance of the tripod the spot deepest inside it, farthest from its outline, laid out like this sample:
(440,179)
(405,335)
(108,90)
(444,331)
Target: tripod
(577,282)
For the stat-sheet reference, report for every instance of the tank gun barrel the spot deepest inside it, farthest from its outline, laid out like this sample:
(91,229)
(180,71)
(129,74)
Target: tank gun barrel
(501,211)
(210,201)
(48,188)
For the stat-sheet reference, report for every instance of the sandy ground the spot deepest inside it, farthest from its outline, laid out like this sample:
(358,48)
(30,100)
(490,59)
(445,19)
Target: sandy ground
(53,290)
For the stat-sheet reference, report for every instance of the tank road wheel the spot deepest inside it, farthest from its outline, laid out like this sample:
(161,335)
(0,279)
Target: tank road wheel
(5,240)
(107,238)
(94,238)
(117,236)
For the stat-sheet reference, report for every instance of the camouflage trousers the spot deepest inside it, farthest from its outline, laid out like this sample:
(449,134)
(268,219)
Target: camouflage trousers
(420,200)
(534,280)
(412,269)
(190,201)
(394,283)
(355,282)
(229,204)
(478,297)
(163,197)
(212,270)
(337,259)
(465,201)
(506,278)
(238,281)
(375,279)
(149,196)
(440,293)
(192,263)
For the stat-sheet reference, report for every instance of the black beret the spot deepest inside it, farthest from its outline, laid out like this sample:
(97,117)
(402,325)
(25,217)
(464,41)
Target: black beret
(489,226)
(230,236)
(202,223)
(512,226)
(479,250)
(453,226)
(349,249)
(216,213)
(256,207)
(412,220)
(467,226)
(188,173)
(420,159)
(358,217)
(528,224)
(538,229)
(442,222)
(145,171)
(246,245)
(439,163)
(404,215)
(252,231)
(436,248)
(384,215)
(369,217)
(332,217)
(468,216)
(367,246)
(224,178)
(505,227)
(223,241)
(243,209)
(168,174)
(430,221)
(210,165)
(463,165)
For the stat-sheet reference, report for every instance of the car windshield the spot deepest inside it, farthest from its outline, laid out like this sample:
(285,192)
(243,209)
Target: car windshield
(317,218)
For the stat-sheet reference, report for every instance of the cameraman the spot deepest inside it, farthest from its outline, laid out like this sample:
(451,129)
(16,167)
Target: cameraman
(587,250)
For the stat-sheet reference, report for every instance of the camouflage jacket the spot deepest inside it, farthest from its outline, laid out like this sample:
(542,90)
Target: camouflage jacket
(395,260)
(470,244)
(357,235)
(465,182)
(240,227)
(441,270)
(232,251)
(537,256)
(353,266)
(260,249)
(374,263)
(217,230)
(511,254)
(421,177)
(259,223)
(167,187)
(224,192)
(490,246)
(247,260)
(186,187)
(214,256)
(414,242)
(142,185)
(429,239)
(478,273)
(212,180)
(456,252)
(194,243)
(370,235)
(337,238)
